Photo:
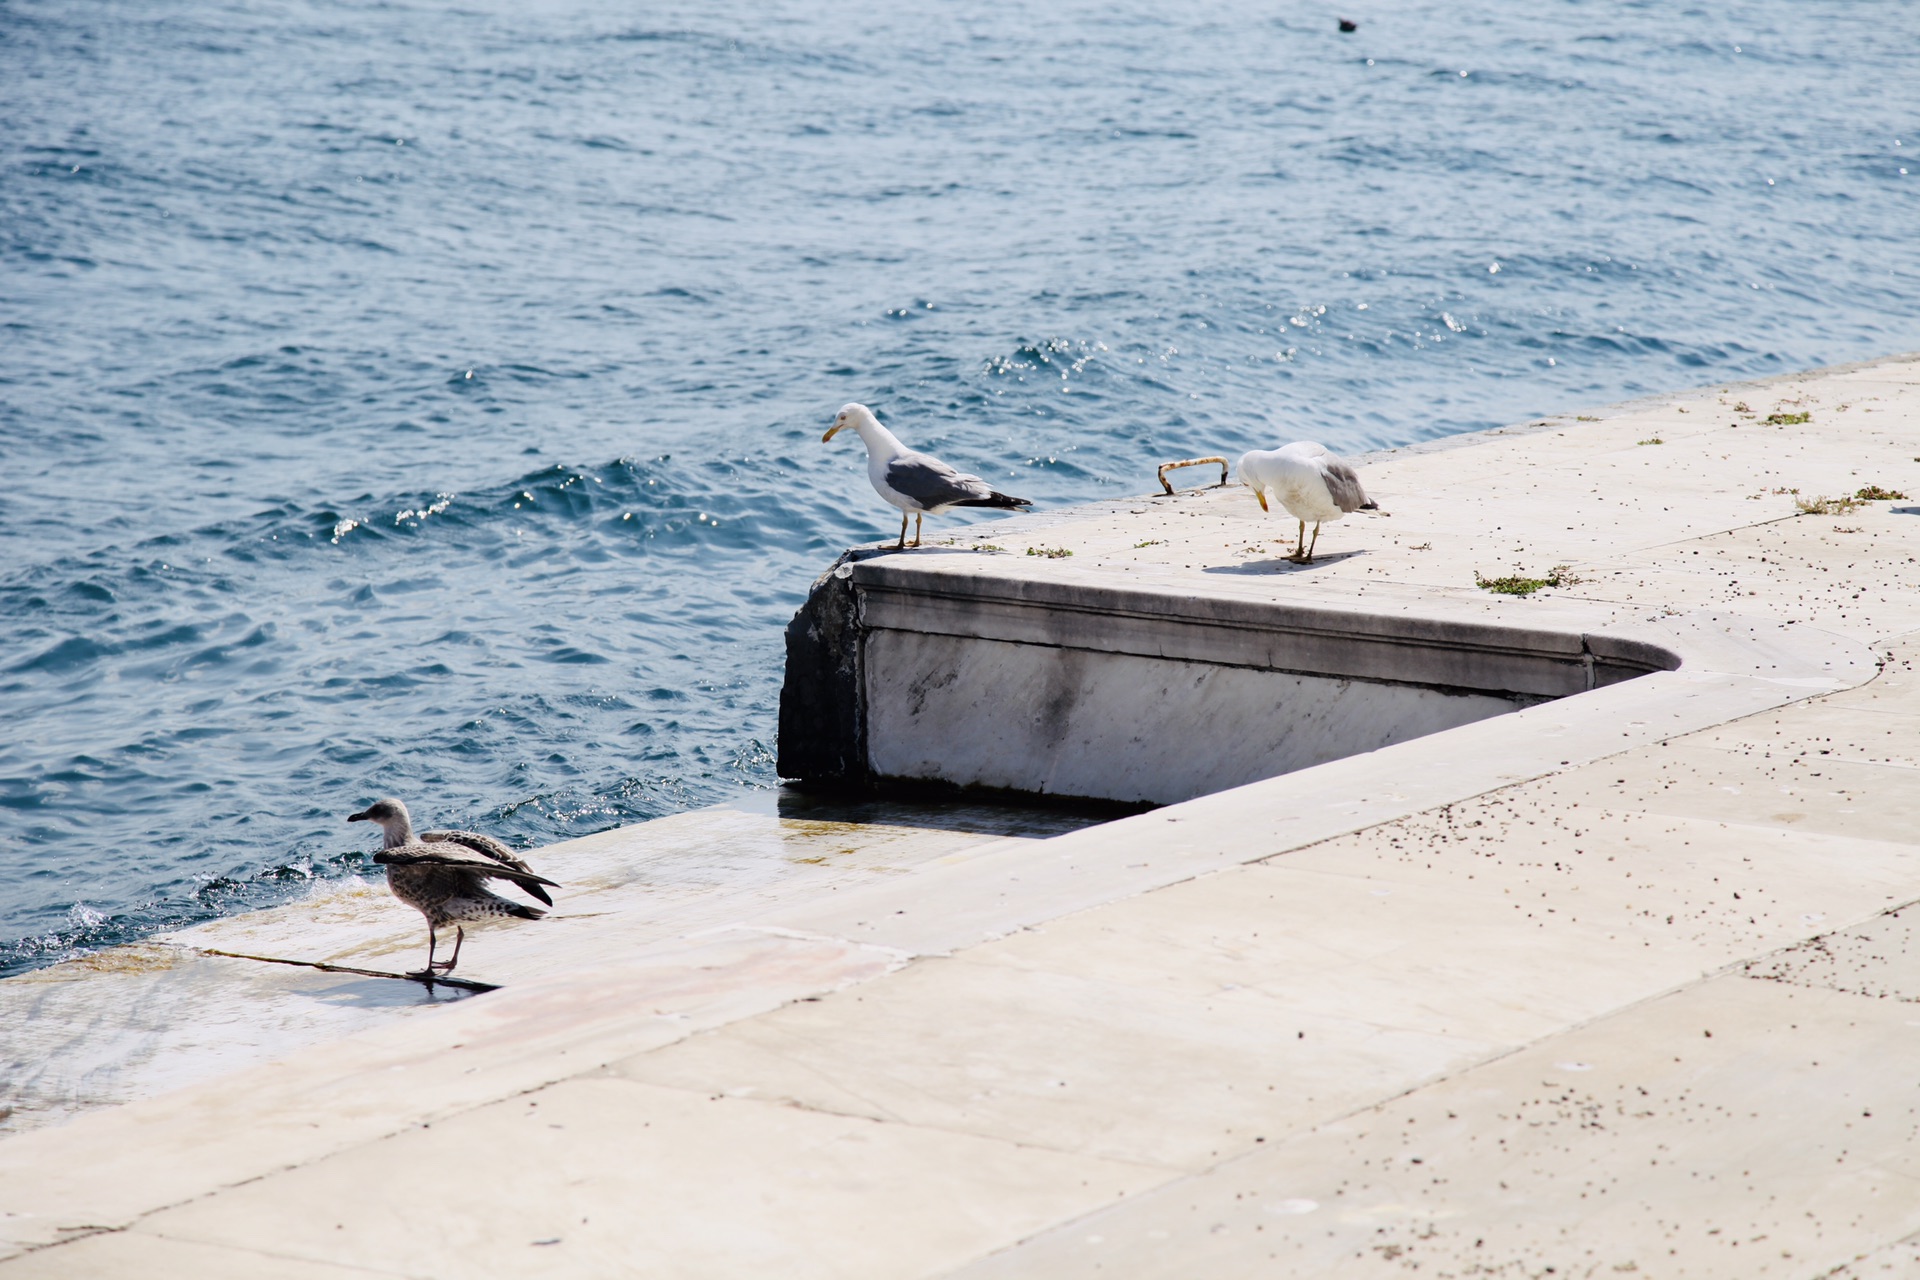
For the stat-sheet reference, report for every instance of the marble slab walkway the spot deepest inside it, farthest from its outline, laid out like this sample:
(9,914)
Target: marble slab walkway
(1539,995)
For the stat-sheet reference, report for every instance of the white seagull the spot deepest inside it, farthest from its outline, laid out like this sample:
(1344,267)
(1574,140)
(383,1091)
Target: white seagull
(914,482)
(1309,482)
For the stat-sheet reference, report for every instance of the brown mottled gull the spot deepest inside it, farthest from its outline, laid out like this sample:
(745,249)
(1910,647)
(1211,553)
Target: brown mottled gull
(443,875)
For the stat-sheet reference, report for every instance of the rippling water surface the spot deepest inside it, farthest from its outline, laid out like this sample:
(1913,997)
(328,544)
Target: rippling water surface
(427,400)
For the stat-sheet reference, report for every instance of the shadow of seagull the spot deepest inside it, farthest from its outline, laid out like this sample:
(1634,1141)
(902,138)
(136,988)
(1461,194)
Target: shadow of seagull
(1282,564)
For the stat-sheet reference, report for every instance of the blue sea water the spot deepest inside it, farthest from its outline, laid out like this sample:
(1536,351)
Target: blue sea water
(426,399)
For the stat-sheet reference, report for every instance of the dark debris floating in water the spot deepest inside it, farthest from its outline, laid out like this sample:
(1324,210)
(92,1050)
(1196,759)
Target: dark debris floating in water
(424,404)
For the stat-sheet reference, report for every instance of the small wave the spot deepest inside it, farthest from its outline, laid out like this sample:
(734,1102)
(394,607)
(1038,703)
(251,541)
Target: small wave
(1064,356)
(86,927)
(74,651)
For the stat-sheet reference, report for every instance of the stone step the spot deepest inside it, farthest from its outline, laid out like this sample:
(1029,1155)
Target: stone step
(137,1020)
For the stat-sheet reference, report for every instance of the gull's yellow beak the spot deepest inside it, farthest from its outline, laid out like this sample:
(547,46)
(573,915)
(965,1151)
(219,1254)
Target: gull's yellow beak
(1263,499)
(830,430)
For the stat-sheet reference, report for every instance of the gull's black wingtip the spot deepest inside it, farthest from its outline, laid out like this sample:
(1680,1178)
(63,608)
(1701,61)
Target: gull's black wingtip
(997,499)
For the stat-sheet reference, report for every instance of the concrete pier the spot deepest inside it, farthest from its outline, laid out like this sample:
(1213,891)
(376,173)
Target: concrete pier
(1565,932)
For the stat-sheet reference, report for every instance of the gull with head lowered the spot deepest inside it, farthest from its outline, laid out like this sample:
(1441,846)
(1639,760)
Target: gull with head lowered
(1310,483)
(914,482)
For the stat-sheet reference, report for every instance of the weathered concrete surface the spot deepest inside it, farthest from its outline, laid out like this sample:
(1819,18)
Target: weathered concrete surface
(977,671)
(1024,717)
(1443,1009)
(822,731)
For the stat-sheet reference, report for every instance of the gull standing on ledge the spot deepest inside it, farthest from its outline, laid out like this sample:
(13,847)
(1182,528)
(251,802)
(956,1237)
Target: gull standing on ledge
(1310,483)
(914,482)
(443,875)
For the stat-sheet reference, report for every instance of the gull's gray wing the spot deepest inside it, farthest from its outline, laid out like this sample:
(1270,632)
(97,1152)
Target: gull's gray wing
(932,483)
(1343,485)
(489,847)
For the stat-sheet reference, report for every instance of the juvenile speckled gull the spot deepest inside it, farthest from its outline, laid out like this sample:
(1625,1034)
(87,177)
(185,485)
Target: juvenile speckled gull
(914,482)
(1309,482)
(443,875)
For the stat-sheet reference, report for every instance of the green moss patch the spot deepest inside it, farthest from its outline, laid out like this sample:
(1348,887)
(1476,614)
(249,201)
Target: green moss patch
(1517,585)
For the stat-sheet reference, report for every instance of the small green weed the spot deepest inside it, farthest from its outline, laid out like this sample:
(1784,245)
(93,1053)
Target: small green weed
(1653,440)
(1517,585)
(1051,553)
(1874,493)
(1788,419)
(987,546)
(1150,542)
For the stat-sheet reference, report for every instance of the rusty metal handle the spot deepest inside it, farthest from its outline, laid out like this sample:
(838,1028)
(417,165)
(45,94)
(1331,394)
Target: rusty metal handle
(1192,462)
